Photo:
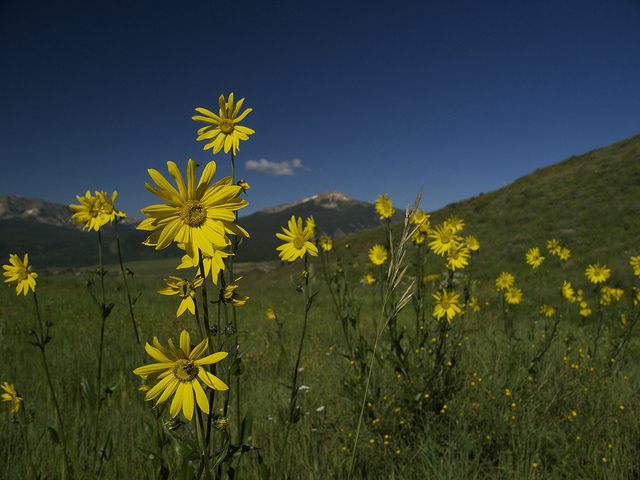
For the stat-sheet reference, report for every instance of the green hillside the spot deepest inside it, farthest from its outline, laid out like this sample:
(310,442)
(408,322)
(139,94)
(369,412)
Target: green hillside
(590,203)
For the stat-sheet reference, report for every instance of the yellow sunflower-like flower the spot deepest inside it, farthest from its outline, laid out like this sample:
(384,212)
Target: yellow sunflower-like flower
(271,314)
(310,224)
(186,290)
(443,240)
(230,295)
(454,223)
(105,205)
(504,281)
(446,304)
(369,278)
(513,295)
(297,241)
(567,291)
(534,257)
(472,243)
(547,310)
(11,396)
(377,254)
(384,206)
(20,275)
(585,311)
(635,263)
(554,247)
(458,257)
(597,274)
(474,304)
(89,211)
(223,130)
(212,264)
(198,216)
(633,295)
(178,371)
(326,243)
(564,254)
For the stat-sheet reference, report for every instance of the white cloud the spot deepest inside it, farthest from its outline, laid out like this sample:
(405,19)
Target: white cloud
(274,168)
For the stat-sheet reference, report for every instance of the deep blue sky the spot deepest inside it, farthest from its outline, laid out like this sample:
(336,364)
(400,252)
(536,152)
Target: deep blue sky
(365,97)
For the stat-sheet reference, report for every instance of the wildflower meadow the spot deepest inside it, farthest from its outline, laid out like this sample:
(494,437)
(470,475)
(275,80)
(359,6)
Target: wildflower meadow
(391,353)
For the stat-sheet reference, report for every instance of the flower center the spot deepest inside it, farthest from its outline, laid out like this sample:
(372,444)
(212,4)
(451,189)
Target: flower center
(185,370)
(193,213)
(445,304)
(226,126)
(445,238)
(298,242)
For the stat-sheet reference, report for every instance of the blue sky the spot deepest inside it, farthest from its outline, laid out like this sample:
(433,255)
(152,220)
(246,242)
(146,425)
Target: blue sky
(457,97)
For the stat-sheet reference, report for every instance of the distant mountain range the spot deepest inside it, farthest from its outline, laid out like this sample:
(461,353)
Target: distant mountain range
(47,232)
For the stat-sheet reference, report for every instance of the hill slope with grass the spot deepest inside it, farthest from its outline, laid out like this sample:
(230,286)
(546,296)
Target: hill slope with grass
(590,203)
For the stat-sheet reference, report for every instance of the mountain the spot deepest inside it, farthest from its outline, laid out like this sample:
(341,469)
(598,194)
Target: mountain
(335,214)
(25,222)
(49,235)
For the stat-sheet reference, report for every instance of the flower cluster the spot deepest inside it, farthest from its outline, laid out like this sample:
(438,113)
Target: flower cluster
(95,211)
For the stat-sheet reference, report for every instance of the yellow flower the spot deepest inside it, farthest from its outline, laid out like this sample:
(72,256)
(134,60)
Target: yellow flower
(20,274)
(11,396)
(178,371)
(384,206)
(446,305)
(420,218)
(554,247)
(564,254)
(223,129)
(596,273)
(504,281)
(213,264)
(547,310)
(89,211)
(513,295)
(297,241)
(567,291)
(458,257)
(534,258)
(369,278)
(454,223)
(633,295)
(310,225)
(474,305)
(635,263)
(199,217)
(104,203)
(229,294)
(472,243)
(443,240)
(377,254)
(271,315)
(326,243)
(184,288)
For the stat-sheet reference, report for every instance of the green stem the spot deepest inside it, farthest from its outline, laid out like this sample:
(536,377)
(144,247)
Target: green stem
(104,314)
(67,462)
(126,285)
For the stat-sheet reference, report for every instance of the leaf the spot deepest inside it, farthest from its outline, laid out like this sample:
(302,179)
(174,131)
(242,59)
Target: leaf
(87,392)
(53,434)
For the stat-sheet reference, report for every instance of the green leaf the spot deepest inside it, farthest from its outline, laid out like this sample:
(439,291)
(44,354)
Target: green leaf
(54,435)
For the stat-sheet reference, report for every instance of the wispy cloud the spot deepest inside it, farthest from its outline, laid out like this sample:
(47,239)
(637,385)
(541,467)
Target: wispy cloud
(274,168)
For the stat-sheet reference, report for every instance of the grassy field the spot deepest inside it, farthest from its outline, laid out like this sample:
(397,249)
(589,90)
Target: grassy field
(484,410)
(500,391)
